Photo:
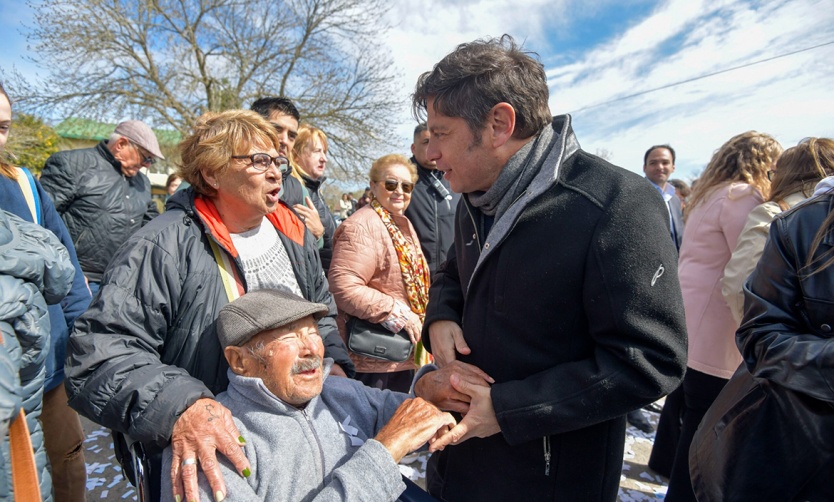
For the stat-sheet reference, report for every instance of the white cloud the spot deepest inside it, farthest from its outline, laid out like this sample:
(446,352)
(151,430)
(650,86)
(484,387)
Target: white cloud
(681,39)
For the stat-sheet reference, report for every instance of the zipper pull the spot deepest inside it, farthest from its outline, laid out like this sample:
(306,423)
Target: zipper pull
(547,455)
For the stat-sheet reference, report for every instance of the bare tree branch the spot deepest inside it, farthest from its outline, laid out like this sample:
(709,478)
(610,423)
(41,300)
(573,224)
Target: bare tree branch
(169,61)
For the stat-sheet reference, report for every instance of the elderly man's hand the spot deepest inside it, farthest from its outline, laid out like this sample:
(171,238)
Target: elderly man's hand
(480,421)
(446,341)
(205,427)
(310,216)
(436,386)
(414,423)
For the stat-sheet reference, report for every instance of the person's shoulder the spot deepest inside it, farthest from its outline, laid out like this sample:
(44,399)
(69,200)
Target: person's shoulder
(601,181)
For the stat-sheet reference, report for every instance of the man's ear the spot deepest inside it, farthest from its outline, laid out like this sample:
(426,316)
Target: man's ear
(501,123)
(212,182)
(236,359)
(412,149)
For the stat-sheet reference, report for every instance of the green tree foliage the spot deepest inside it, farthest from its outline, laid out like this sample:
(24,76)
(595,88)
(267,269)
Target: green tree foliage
(169,61)
(31,142)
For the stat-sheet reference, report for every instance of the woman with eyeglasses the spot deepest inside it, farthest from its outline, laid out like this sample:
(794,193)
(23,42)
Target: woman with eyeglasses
(379,273)
(144,360)
(734,182)
(797,172)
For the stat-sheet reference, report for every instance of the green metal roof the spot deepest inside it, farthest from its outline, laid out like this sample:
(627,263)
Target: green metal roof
(77,128)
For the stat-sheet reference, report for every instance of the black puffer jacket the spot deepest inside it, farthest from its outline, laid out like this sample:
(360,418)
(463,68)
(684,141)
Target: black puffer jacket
(147,348)
(772,438)
(326,251)
(432,212)
(100,206)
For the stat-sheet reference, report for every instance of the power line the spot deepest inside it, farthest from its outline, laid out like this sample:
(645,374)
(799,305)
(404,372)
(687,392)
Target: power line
(700,77)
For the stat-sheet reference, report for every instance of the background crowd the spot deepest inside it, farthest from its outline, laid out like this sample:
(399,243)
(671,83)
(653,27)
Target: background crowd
(111,309)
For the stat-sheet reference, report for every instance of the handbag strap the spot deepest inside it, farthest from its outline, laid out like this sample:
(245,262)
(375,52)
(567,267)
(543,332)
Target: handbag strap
(228,273)
(30,193)
(24,473)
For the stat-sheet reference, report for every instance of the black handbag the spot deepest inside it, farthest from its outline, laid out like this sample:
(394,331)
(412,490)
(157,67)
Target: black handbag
(761,441)
(373,340)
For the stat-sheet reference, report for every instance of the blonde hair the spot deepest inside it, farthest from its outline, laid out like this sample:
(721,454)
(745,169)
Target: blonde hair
(746,157)
(216,137)
(306,135)
(381,164)
(801,167)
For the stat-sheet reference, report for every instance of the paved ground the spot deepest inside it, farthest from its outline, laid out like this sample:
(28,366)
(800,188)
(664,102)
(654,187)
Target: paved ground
(106,483)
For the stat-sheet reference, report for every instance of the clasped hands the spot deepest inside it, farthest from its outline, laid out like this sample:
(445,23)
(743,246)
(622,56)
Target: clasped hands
(457,386)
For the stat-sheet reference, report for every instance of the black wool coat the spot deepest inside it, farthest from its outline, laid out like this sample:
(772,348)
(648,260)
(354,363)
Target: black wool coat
(576,312)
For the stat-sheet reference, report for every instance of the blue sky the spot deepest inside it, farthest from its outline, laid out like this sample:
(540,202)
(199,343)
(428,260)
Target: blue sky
(596,51)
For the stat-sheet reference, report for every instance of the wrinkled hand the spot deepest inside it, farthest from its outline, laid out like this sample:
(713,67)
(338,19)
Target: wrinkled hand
(479,422)
(415,422)
(446,341)
(310,216)
(413,326)
(205,427)
(436,386)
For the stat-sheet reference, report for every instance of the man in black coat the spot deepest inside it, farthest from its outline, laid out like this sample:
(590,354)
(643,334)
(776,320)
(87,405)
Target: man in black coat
(432,207)
(562,286)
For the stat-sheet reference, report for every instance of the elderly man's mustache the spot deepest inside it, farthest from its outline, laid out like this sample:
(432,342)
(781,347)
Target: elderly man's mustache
(306,364)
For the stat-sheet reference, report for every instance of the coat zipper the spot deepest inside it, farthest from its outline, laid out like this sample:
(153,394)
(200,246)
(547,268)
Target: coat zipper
(547,455)
(318,443)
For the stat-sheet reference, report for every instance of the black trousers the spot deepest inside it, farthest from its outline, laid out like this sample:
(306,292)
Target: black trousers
(699,392)
(668,434)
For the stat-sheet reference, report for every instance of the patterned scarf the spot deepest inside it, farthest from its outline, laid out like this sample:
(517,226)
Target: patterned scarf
(415,272)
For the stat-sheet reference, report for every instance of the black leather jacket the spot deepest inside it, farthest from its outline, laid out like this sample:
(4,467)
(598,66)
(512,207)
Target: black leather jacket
(774,438)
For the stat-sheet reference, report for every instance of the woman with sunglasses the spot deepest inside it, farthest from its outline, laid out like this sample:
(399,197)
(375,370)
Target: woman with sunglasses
(378,272)
(144,360)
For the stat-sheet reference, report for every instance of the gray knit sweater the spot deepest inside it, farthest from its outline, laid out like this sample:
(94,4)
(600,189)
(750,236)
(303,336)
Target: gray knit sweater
(322,453)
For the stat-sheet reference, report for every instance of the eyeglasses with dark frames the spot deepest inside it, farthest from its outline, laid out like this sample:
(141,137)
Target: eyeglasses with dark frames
(147,159)
(262,161)
(391,185)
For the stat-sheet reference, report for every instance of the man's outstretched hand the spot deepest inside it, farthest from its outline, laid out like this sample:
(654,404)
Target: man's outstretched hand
(436,386)
(204,428)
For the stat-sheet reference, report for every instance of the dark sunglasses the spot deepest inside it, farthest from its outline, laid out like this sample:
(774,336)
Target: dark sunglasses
(391,185)
(262,161)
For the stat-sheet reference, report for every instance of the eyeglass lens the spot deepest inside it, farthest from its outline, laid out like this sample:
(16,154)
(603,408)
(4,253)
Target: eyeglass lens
(391,185)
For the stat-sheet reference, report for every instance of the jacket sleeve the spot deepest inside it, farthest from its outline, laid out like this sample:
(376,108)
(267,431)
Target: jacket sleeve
(151,212)
(114,373)
(78,299)
(445,295)
(355,262)
(747,252)
(59,179)
(632,305)
(775,339)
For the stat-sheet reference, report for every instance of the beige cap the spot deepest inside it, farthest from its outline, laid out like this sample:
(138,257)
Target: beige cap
(139,133)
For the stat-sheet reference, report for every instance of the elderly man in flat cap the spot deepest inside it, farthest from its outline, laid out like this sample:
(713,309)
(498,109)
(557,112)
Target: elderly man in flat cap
(101,195)
(307,436)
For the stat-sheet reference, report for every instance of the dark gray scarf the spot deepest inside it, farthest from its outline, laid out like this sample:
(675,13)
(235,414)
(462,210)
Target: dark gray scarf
(516,176)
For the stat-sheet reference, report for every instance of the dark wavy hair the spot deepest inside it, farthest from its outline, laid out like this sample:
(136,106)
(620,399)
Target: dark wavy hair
(476,76)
